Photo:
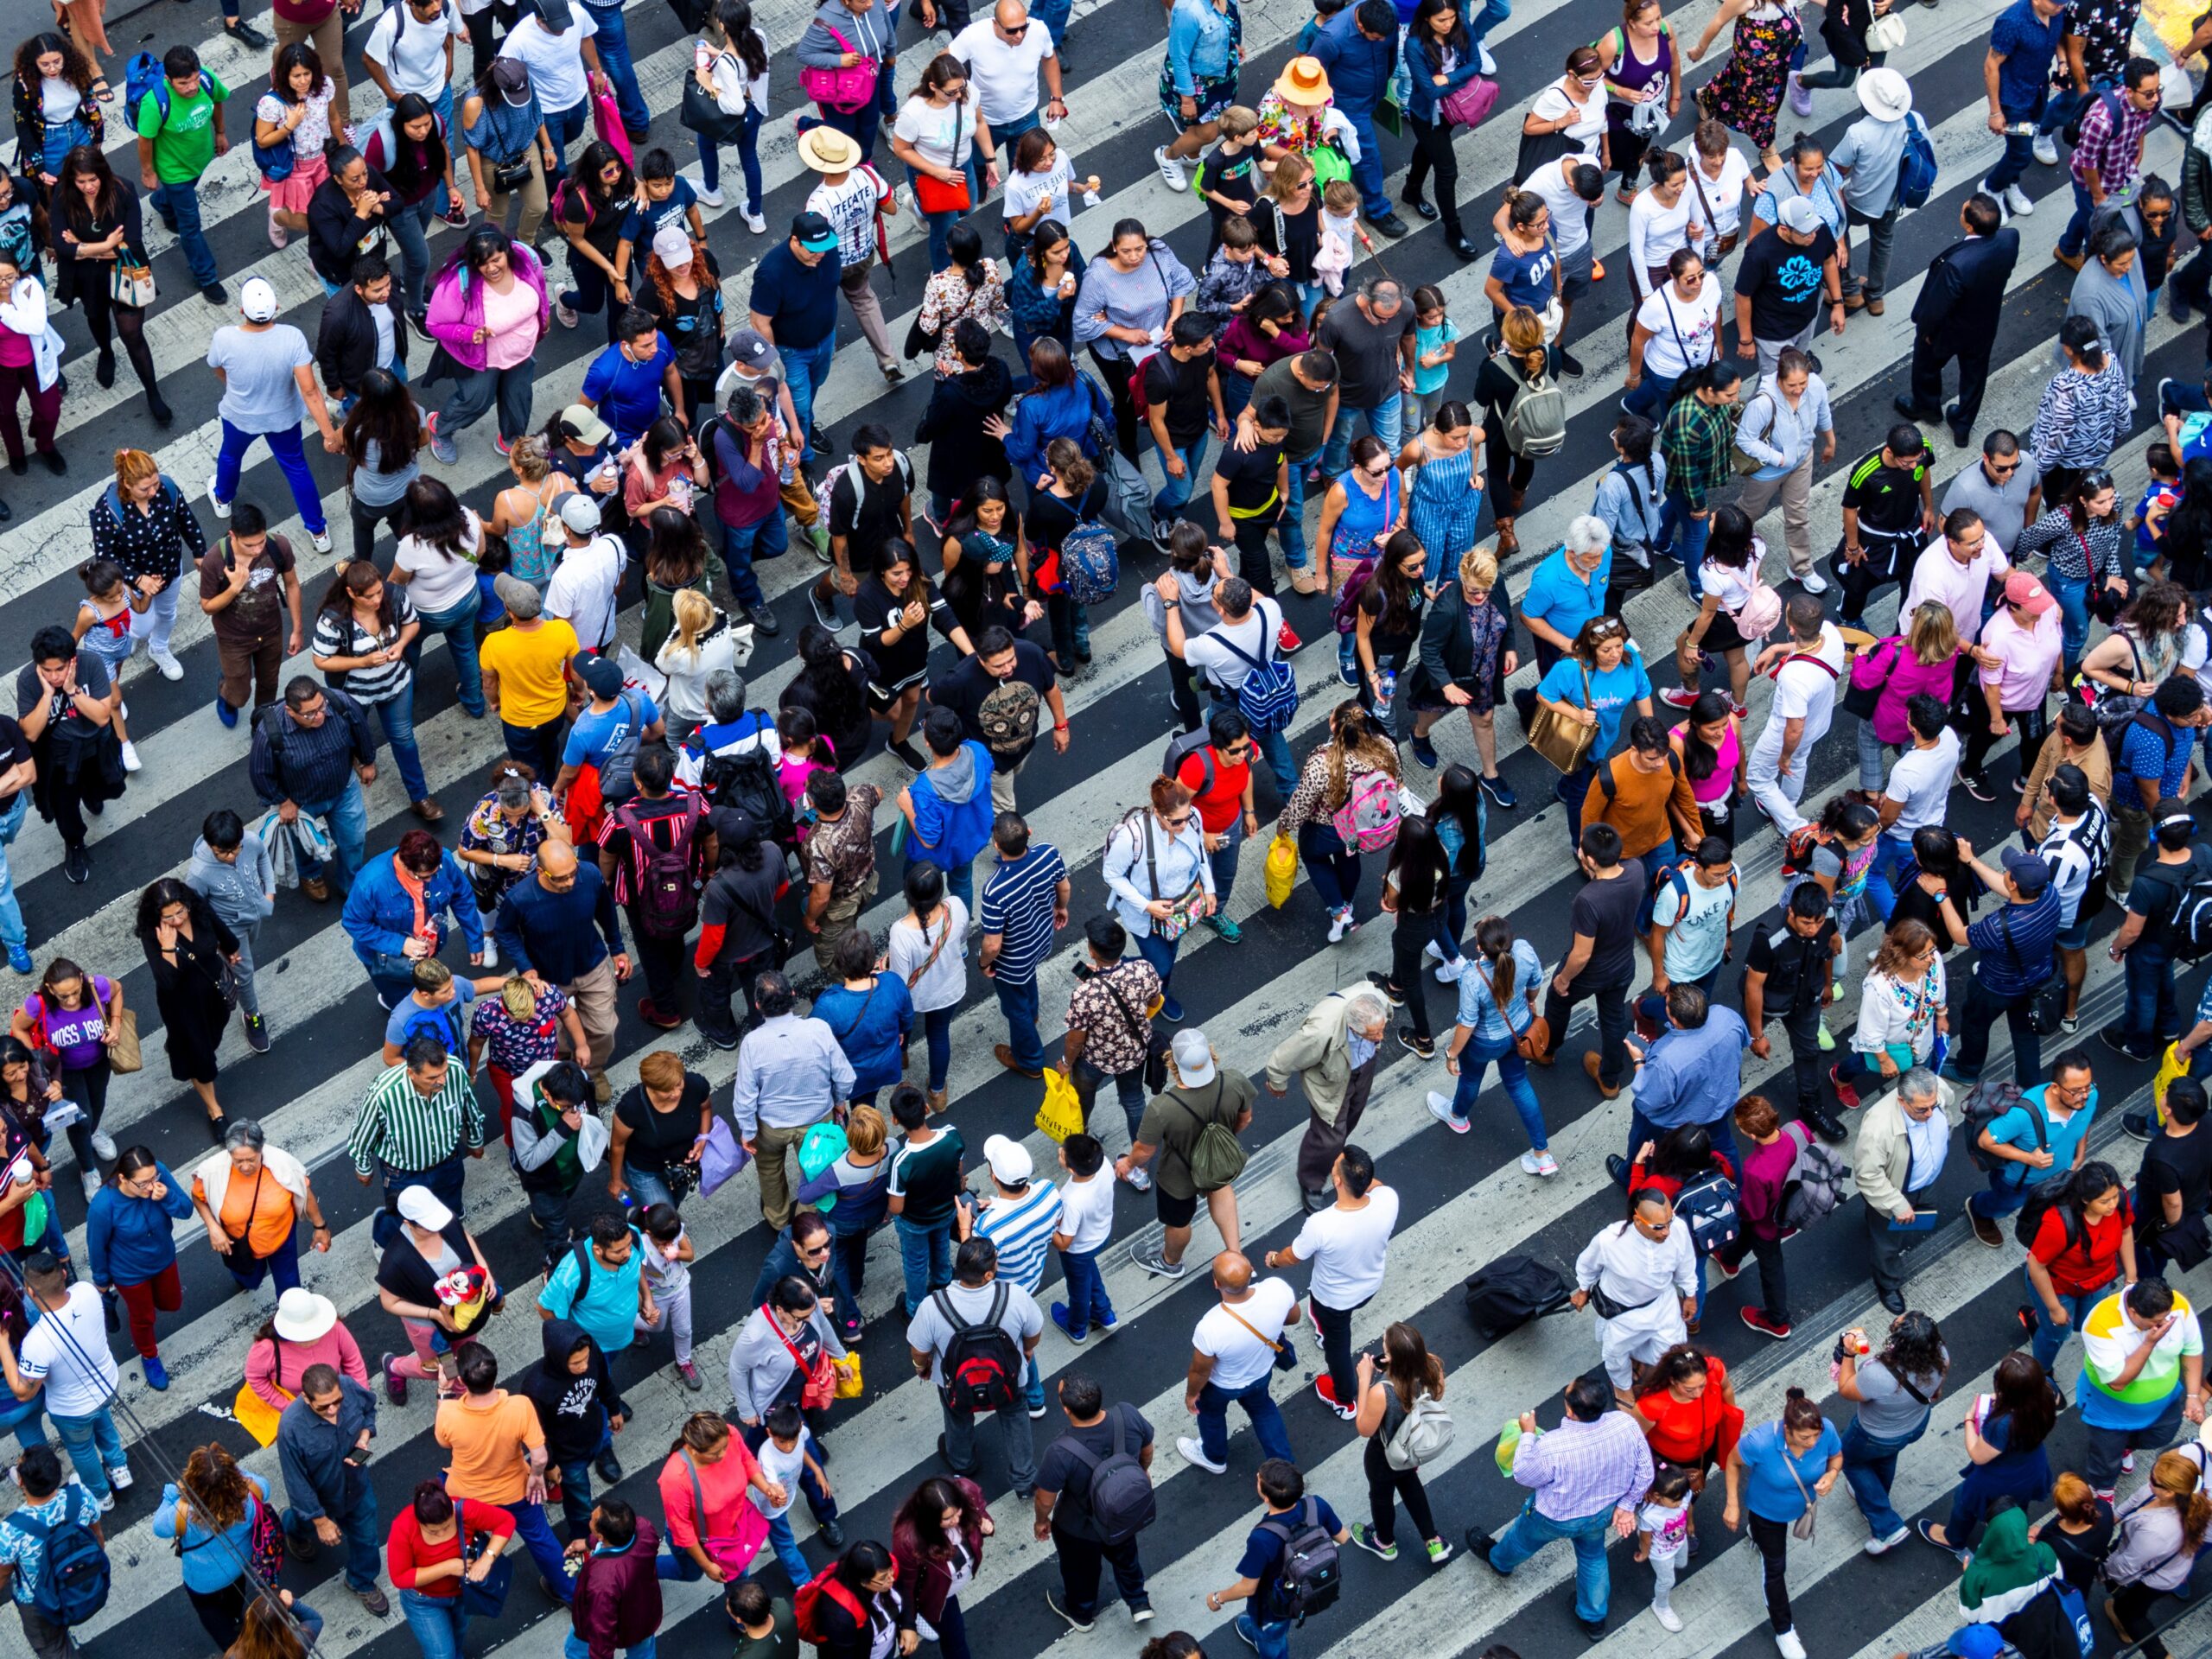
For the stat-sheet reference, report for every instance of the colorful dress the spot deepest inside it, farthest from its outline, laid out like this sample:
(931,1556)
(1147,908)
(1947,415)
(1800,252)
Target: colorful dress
(1447,501)
(1214,96)
(1746,94)
(291,193)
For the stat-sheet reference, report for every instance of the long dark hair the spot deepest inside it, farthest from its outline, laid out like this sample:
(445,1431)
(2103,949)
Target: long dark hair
(585,175)
(1049,234)
(1684,1152)
(1418,866)
(1700,760)
(919,1526)
(1730,543)
(1459,796)
(735,18)
(2022,1392)
(676,549)
(1915,1347)
(962,524)
(405,164)
(383,413)
(159,897)
(84,159)
(358,577)
(1401,593)
(839,704)
(436,518)
(1494,944)
(1457,40)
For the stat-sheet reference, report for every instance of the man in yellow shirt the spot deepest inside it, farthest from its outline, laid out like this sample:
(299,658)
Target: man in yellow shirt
(499,1457)
(526,675)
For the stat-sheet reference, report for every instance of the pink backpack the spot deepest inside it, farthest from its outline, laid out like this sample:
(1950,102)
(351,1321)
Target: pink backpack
(843,89)
(1368,821)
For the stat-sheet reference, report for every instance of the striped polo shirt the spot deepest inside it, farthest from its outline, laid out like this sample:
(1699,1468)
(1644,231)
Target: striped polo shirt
(1017,905)
(1021,1229)
(400,1125)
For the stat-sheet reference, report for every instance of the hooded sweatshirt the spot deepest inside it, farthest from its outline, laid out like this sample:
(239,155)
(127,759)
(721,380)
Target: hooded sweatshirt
(952,806)
(869,34)
(2007,1570)
(573,1410)
(237,891)
(960,450)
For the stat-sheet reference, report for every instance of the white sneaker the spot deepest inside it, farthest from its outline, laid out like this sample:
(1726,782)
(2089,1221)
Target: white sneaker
(2127,1464)
(1543,1164)
(1440,1108)
(1790,1647)
(222,507)
(120,1477)
(2019,200)
(131,760)
(1884,1546)
(2046,149)
(103,1144)
(108,1503)
(1339,920)
(320,538)
(1813,583)
(707,198)
(1447,973)
(1170,169)
(1195,1455)
(1484,62)
(164,659)
(93,1184)
(756,223)
(1432,951)
(1667,1617)
(122,710)
(491,951)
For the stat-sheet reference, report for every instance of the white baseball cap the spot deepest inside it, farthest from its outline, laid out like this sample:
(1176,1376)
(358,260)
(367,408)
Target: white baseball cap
(1011,1164)
(421,1207)
(257,300)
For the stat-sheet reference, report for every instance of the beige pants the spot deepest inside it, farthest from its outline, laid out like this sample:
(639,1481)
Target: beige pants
(532,195)
(1796,489)
(1002,778)
(769,1148)
(328,38)
(593,995)
(839,918)
(868,310)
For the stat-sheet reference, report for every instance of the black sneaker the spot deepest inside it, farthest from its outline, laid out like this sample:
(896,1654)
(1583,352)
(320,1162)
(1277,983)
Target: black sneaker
(421,320)
(1479,1545)
(76,863)
(904,749)
(1617,1168)
(1976,784)
(1420,1047)
(256,1033)
(831,1533)
(2115,1040)
(1826,1123)
(2138,1124)
(1425,752)
(1569,363)
(1391,226)
(215,293)
(609,1467)
(764,618)
(246,36)
(825,610)
(1390,993)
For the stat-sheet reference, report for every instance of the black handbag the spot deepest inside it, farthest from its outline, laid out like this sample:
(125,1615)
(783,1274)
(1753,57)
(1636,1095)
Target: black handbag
(487,1598)
(702,113)
(2047,1002)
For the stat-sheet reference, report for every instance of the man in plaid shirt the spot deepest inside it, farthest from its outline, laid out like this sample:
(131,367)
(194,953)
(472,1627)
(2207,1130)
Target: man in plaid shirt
(1693,437)
(2110,154)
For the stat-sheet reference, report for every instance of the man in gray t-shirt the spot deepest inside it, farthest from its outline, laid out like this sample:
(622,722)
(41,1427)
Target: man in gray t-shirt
(268,376)
(1869,158)
(2004,486)
(977,1288)
(1373,338)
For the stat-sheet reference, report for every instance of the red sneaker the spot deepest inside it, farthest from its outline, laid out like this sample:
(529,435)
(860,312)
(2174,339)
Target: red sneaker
(1758,1321)
(1846,1095)
(1326,1391)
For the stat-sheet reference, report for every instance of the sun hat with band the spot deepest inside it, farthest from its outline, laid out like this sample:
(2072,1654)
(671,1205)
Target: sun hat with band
(828,151)
(1303,80)
(303,1316)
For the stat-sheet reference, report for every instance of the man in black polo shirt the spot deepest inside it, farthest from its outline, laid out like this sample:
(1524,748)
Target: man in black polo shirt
(1249,488)
(1183,399)
(2174,1187)
(1789,976)
(1889,510)
(999,693)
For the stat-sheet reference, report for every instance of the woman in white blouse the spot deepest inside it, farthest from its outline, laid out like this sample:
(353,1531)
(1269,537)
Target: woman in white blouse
(1677,329)
(436,564)
(928,948)
(1162,882)
(704,642)
(730,61)
(1718,177)
(1901,1008)
(1664,218)
(1573,107)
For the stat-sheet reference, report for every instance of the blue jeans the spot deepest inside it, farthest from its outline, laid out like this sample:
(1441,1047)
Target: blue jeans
(2005,1194)
(2073,599)
(936,1036)
(2058,109)
(1531,1532)
(1177,491)
(1650,395)
(2152,1013)
(281,1267)
(1268,1641)
(27,1419)
(411,229)
(1383,420)
(1493,13)
(458,626)
(859,125)
(12,930)
(93,1447)
(1019,1004)
(2019,150)
(805,368)
(1224,861)
(536,1534)
(1290,529)
(742,544)
(646,1187)
(362,1541)
(349,828)
(2050,1335)
(1869,1468)
(397,715)
(614,43)
(442,106)
(574,1647)
(748,157)
(926,1256)
(785,1542)
(1258,1405)
(1329,865)
(436,1622)
(1088,1304)
(1512,1072)
(1675,519)
(564,128)
(576,1482)
(2076,234)
(291,458)
(1160,953)
(1367,171)
(178,206)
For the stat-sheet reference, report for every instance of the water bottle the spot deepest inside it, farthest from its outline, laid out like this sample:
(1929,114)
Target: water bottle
(1386,687)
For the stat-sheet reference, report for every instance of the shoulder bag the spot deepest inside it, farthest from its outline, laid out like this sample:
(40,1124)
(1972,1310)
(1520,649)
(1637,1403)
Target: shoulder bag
(1747,465)
(935,195)
(1801,1528)
(1286,1351)
(843,89)
(1560,739)
(485,1597)
(1155,1039)
(702,111)
(130,279)
(735,1553)
(1186,907)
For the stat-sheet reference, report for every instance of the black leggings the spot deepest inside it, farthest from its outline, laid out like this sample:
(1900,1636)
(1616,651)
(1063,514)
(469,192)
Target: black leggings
(129,320)
(1383,1485)
(1772,1538)
(1413,933)
(1114,372)
(222,1613)
(2029,722)
(365,519)
(1507,470)
(1432,150)
(88,1088)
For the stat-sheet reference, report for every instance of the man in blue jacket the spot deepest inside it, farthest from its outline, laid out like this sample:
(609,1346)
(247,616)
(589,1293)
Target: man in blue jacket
(1359,50)
(391,933)
(948,808)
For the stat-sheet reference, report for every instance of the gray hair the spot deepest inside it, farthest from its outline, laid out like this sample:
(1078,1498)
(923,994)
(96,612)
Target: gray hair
(1365,1009)
(725,695)
(1918,1083)
(245,1132)
(512,790)
(1586,533)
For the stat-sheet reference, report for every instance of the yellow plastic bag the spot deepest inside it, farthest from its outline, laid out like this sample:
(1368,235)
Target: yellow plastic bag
(1061,1115)
(848,1377)
(1282,870)
(2174,1064)
(255,1415)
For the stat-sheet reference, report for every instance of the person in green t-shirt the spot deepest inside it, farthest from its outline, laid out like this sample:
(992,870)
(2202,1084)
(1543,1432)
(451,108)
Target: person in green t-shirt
(179,135)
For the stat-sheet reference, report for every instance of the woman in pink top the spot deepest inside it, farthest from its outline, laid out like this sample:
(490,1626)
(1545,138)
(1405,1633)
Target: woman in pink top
(2018,656)
(30,366)
(708,1463)
(1925,659)
(488,309)
(1711,745)
(306,1331)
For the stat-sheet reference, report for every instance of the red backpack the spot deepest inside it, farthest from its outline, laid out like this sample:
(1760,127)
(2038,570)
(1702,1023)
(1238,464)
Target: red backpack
(662,883)
(807,1604)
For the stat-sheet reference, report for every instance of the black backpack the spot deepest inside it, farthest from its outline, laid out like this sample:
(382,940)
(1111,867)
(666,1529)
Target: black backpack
(1121,1499)
(747,782)
(982,1364)
(2042,1199)
(1309,1578)
(1985,1103)
(1510,1292)
(2189,929)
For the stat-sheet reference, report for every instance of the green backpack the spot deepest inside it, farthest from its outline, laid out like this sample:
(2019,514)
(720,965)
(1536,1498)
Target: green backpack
(1217,1158)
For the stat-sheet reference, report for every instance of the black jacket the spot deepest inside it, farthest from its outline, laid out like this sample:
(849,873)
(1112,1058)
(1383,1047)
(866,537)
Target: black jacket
(573,1409)
(69,271)
(345,345)
(1964,294)
(960,450)
(336,235)
(1445,655)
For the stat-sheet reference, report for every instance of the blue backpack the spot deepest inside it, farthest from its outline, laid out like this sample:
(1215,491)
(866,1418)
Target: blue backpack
(143,75)
(1091,562)
(73,1574)
(1269,697)
(1917,167)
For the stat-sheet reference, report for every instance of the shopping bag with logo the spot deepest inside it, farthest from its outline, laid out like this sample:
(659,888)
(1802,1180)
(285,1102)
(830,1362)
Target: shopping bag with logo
(1061,1115)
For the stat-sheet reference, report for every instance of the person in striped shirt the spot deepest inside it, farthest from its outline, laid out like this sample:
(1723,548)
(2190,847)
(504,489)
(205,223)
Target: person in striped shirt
(1024,903)
(416,1122)
(1020,1219)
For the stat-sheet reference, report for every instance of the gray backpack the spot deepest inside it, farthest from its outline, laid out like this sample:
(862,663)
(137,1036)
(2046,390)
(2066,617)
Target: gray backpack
(1535,421)
(1423,1433)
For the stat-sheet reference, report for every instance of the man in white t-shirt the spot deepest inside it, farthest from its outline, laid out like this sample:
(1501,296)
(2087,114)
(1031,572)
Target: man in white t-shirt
(1233,1356)
(1804,701)
(581,593)
(1919,782)
(1349,1244)
(410,50)
(556,46)
(1249,625)
(1004,53)
(66,1353)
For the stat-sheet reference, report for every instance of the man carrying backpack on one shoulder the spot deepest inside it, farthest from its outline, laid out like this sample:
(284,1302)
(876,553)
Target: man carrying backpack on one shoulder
(974,1339)
(1094,1496)
(55,1525)
(1290,1566)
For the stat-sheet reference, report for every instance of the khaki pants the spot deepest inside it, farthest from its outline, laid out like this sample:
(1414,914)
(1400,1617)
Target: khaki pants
(839,918)
(1002,778)
(769,1148)
(797,498)
(868,310)
(532,195)
(1796,489)
(2131,839)
(593,995)
(328,38)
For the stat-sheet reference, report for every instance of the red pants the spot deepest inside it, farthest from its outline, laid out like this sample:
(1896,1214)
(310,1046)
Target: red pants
(46,409)
(164,1291)
(503,1091)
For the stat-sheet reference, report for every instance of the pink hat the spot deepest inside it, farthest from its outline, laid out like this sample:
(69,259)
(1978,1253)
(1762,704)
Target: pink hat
(2024,591)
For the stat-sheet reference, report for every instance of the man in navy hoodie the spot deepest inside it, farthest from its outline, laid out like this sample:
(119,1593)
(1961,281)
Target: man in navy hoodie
(579,1411)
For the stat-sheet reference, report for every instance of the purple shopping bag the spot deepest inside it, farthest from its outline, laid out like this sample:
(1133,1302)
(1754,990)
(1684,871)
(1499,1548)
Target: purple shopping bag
(722,1158)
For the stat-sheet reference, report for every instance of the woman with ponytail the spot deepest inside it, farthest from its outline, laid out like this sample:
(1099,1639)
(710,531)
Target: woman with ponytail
(1409,1373)
(1520,359)
(1498,1008)
(2161,1526)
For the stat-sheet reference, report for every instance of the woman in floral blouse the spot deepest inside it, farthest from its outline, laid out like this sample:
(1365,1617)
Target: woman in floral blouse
(499,842)
(2087,543)
(519,1028)
(969,287)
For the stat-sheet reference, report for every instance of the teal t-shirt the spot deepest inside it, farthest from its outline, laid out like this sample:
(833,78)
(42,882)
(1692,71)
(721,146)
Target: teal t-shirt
(608,1308)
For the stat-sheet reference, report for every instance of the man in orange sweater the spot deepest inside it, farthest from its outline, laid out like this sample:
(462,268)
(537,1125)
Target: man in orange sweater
(1642,794)
(499,1457)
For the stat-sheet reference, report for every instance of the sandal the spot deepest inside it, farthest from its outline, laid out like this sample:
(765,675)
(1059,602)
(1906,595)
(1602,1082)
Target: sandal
(102,91)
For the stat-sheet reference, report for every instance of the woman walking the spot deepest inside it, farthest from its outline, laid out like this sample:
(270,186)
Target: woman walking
(249,1197)
(57,107)
(860,1179)
(928,949)
(522,513)
(76,1016)
(1127,297)
(1643,87)
(713,1529)
(99,232)
(1439,60)
(1925,661)
(428,1244)
(2005,1446)
(1466,657)
(408,147)
(601,194)
(1498,988)
(1716,760)
(1161,880)
(1445,463)
(219,1516)
(293,117)
(436,564)
(966,285)
(937,1538)
(131,1246)
(194,961)
(488,308)
(1894,1392)
(1356,764)
(1746,94)
(676,561)
(1728,581)
(1520,362)
(1408,1375)
(2083,412)
(1040,290)
(1778,1473)
(363,628)
(509,151)
(945,143)
(1414,890)
(383,434)
(1689,1415)
(1386,615)
(1198,81)
(2161,1526)
(730,61)
(659,1129)
(1363,509)
(1902,1010)
(2086,543)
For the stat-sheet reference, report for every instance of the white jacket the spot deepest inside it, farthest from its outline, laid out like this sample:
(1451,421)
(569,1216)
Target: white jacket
(24,313)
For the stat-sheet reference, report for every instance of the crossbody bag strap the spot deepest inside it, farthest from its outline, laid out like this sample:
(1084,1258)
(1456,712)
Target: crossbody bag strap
(930,961)
(1249,1326)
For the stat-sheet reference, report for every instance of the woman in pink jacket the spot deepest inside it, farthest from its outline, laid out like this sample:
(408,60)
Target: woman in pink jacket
(488,312)
(1924,659)
(305,1330)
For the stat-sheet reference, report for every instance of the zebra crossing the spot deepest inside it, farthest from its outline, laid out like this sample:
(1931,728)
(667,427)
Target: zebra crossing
(1464,1202)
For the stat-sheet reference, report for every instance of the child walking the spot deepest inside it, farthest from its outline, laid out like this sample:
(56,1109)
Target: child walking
(668,1276)
(1663,1533)
(103,627)
(1435,344)
(786,1455)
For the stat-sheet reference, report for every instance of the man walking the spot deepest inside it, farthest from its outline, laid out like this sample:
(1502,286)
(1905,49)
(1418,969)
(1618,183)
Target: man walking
(1010,1325)
(1005,54)
(1067,1517)
(179,130)
(1232,1359)
(1019,1217)
(793,306)
(1692,1075)
(1600,962)
(313,752)
(2015,946)
(1870,158)
(840,856)
(1960,301)
(1358,47)
(652,836)
(1024,903)
(1904,1140)
(790,1075)
(561,928)
(1262,1568)
(2109,155)
(2144,942)
(416,1122)
(249,586)
(269,387)
(1781,287)
(1805,680)
(322,1445)
(1334,1054)
(1372,341)
(1349,1244)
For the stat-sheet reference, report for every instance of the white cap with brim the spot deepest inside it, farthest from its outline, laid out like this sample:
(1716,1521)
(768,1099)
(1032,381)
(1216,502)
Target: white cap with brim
(421,1207)
(303,1316)
(673,246)
(1193,1057)
(1011,1164)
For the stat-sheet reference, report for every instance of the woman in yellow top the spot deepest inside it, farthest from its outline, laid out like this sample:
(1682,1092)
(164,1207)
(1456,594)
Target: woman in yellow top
(249,1197)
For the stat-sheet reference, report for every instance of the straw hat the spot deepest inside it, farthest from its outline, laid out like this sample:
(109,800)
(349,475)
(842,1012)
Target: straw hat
(828,151)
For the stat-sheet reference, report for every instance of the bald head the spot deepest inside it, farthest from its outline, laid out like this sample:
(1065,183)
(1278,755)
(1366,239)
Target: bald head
(1232,1272)
(1011,14)
(557,866)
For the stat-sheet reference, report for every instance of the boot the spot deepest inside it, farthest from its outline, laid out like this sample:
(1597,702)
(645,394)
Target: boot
(938,1101)
(1508,543)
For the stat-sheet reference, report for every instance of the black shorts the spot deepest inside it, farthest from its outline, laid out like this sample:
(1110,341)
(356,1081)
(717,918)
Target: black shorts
(1175,1213)
(1722,634)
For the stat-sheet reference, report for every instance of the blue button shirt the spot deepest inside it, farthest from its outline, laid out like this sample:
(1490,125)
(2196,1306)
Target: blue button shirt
(2144,753)
(2027,44)
(1693,1076)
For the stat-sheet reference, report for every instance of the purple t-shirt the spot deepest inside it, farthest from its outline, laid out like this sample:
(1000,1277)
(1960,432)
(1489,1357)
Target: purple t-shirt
(74,1032)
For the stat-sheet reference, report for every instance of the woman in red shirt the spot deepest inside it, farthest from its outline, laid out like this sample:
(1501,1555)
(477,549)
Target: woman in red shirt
(1689,1415)
(2081,1248)
(424,1555)
(1219,778)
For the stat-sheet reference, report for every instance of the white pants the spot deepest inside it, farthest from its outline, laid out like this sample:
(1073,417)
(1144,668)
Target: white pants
(1662,1576)
(675,1319)
(1778,794)
(1641,1337)
(151,627)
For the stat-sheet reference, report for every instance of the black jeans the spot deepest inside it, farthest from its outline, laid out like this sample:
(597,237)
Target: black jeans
(1432,150)
(1415,933)
(729,975)
(1254,562)
(1114,374)
(1610,1002)
(88,1088)
(2032,724)
(222,1613)
(1802,1023)
(1183,691)
(536,747)
(1080,1561)
(1886,1246)
(1983,1007)
(662,960)
(1888,560)
(1385,1483)
(1930,351)
(1335,1326)
(365,520)
(1772,1538)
